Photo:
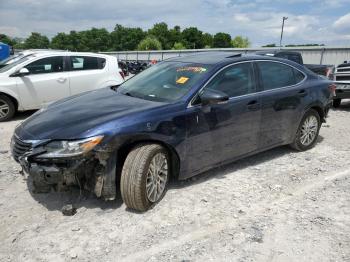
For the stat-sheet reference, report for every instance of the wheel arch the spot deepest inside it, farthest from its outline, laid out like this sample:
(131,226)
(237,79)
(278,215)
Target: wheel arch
(124,150)
(320,112)
(13,99)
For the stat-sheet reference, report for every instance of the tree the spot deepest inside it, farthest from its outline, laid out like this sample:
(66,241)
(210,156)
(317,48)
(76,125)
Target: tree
(161,32)
(7,40)
(222,40)
(175,35)
(270,45)
(178,46)
(125,38)
(150,43)
(62,41)
(207,40)
(305,45)
(37,41)
(192,38)
(96,39)
(240,42)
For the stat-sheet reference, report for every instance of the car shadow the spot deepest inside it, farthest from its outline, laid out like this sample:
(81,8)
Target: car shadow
(227,169)
(344,106)
(22,115)
(78,198)
(84,199)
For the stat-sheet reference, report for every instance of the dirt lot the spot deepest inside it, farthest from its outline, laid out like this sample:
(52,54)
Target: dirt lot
(276,206)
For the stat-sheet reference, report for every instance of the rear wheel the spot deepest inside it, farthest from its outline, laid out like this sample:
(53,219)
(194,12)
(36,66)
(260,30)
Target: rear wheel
(145,176)
(7,108)
(336,102)
(308,130)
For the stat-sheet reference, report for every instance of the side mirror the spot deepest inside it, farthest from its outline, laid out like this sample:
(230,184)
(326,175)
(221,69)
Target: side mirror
(22,72)
(213,97)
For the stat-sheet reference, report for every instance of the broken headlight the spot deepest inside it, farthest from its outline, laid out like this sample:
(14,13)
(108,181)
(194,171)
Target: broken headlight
(70,148)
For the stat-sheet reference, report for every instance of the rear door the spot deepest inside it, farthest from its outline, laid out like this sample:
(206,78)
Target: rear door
(283,96)
(46,82)
(86,73)
(226,131)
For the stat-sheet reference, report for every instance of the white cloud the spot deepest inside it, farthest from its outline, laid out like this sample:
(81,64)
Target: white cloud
(343,24)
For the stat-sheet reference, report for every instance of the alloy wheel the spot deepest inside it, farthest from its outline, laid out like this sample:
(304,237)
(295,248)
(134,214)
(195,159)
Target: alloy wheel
(157,177)
(4,109)
(309,130)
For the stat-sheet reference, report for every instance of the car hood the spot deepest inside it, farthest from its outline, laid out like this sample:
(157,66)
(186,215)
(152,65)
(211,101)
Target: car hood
(78,116)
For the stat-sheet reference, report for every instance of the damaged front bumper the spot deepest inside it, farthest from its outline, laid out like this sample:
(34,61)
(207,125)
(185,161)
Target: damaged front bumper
(94,171)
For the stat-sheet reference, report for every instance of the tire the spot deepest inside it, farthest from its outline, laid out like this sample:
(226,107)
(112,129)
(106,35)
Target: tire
(137,174)
(299,138)
(7,108)
(336,102)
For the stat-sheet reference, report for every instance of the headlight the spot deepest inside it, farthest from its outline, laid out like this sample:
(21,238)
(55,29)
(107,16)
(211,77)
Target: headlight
(70,148)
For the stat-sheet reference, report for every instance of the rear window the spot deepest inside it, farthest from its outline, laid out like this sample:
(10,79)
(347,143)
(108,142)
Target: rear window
(275,75)
(87,63)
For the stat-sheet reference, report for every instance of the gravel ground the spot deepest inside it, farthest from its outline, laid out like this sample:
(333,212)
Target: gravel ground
(279,205)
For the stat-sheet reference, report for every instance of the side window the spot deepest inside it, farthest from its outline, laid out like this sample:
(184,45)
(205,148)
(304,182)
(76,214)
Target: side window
(87,63)
(276,75)
(236,80)
(299,76)
(46,65)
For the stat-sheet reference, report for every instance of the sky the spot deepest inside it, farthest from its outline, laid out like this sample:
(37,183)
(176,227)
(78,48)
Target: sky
(309,21)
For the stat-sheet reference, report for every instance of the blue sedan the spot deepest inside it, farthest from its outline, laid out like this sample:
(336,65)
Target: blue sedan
(174,120)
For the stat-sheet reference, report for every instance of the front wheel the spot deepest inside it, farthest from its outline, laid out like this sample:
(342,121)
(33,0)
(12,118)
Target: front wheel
(145,176)
(7,108)
(308,130)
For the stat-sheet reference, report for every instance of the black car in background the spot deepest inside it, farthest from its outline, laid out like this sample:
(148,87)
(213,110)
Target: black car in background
(324,70)
(176,119)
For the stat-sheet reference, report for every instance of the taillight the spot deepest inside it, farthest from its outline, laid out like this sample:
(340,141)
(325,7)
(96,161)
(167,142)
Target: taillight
(122,74)
(332,88)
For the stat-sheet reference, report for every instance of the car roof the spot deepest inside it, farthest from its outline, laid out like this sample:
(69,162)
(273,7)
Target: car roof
(216,58)
(66,53)
(209,58)
(275,52)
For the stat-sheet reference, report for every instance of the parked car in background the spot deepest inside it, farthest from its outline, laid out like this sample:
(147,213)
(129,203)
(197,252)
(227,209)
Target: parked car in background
(176,119)
(36,80)
(341,78)
(324,70)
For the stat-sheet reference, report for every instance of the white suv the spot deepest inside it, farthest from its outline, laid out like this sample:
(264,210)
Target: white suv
(44,77)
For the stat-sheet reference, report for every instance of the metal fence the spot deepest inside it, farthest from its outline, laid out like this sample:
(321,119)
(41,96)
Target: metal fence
(311,55)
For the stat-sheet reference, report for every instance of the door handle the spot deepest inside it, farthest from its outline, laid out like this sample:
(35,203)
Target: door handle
(302,93)
(253,105)
(61,80)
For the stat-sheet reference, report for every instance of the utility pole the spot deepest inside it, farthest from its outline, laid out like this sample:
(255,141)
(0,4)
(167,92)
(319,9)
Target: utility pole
(284,18)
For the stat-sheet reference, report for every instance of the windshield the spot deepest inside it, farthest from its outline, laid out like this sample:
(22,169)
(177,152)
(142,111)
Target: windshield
(164,82)
(12,65)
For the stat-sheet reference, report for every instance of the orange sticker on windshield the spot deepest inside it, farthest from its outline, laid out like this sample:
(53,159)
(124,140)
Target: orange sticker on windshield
(182,80)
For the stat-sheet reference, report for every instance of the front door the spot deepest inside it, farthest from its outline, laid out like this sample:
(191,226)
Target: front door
(46,82)
(223,132)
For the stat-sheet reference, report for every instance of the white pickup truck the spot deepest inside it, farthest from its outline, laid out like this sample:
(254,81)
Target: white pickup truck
(41,78)
(342,81)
